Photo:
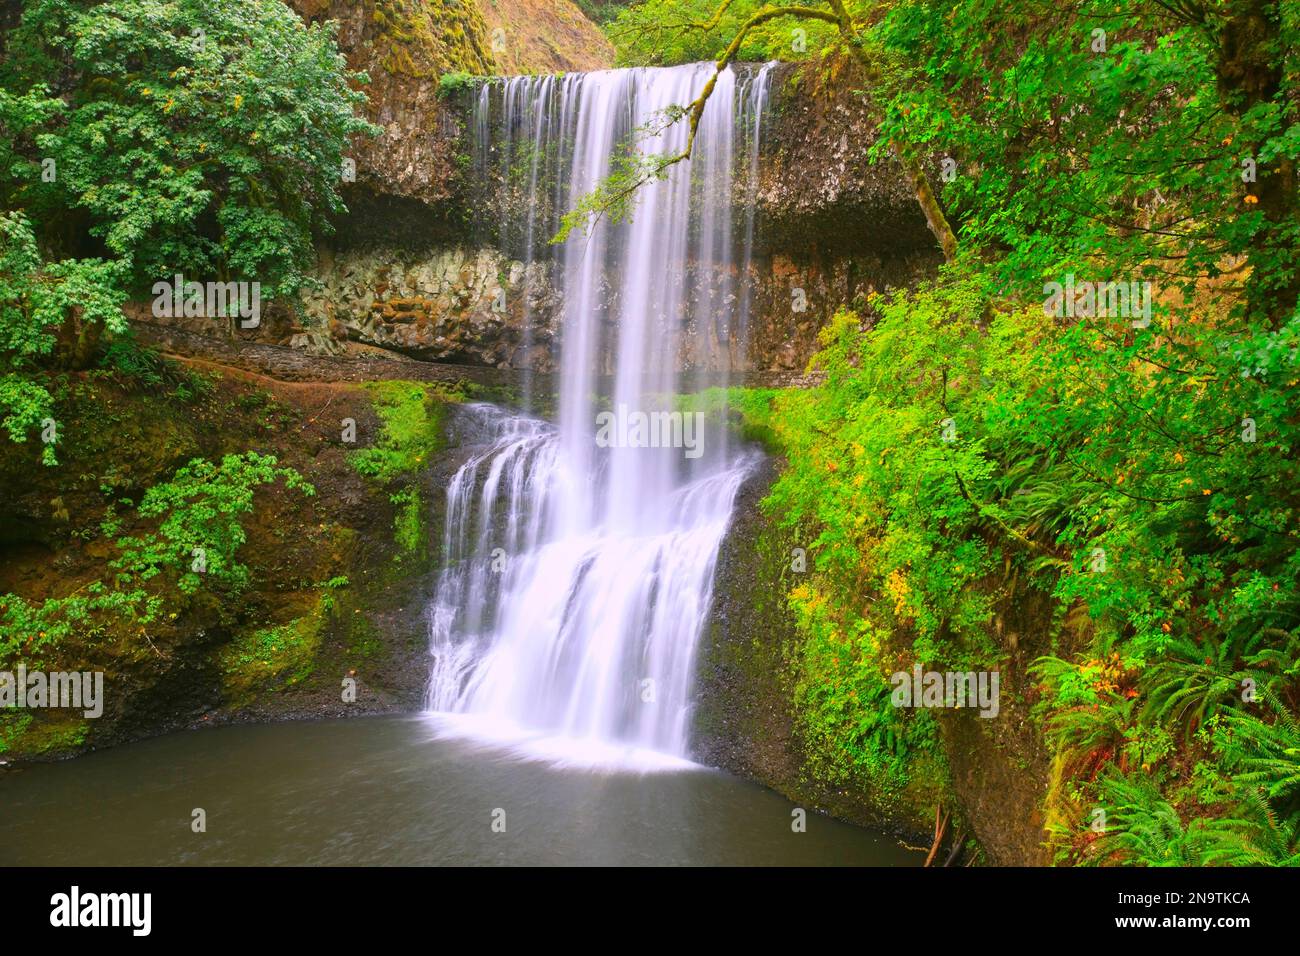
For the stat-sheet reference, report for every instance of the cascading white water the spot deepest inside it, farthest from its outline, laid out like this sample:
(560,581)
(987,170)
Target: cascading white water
(578,572)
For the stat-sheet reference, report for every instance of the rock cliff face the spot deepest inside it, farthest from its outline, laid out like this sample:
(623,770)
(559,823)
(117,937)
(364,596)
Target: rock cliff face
(818,189)
(404,46)
(830,229)
(471,304)
(457,304)
(406,178)
(543,36)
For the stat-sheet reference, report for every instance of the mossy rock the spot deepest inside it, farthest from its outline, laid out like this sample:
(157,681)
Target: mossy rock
(42,733)
(273,657)
(426,38)
(412,419)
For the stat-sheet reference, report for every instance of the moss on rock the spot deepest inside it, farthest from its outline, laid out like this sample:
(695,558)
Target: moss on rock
(324,598)
(411,415)
(272,657)
(426,38)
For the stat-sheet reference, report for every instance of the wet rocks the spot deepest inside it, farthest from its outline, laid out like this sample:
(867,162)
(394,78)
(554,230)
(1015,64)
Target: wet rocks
(818,186)
(449,305)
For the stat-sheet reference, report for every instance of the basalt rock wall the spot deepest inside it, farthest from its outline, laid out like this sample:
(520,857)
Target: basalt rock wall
(419,268)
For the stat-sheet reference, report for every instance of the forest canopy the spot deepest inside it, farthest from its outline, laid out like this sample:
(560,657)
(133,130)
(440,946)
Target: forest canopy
(141,139)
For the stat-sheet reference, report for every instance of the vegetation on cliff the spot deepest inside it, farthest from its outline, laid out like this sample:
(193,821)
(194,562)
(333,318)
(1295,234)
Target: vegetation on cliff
(141,141)
(668,32)
(411,413)
(1094,405)
(189,138)
(427,39)
(202,138)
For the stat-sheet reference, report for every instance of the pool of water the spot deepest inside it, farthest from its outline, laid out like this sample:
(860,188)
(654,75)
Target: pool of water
(400,791)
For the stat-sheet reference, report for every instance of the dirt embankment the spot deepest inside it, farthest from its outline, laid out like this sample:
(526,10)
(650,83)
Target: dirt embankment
(337,581)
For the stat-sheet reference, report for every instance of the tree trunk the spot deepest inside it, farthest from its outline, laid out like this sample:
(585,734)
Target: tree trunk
(1249,73)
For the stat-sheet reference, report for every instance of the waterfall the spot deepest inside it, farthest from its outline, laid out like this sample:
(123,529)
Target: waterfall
(579,555)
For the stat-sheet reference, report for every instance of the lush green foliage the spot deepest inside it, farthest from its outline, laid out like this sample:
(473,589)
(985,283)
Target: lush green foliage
(667,32)
(981,470)
(203,137)
(140,139)
(199,514)
(24,405)
(29,629)
(189,137)
(449,84)
(46,309)
(892,516)
(1152,471)
(36,297)
(602,11)
(1113,142)
(960,459)
(410,415)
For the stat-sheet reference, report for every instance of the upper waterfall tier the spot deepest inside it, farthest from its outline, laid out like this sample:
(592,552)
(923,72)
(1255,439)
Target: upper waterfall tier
(676,301)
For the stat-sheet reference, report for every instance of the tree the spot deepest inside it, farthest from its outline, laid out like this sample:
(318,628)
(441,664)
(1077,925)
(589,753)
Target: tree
(203,137)
(1156,138)
(48,311)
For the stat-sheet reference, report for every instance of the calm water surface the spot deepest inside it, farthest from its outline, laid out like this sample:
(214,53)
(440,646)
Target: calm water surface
(390,790)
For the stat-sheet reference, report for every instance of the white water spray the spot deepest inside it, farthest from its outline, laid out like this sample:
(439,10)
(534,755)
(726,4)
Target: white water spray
(578,575)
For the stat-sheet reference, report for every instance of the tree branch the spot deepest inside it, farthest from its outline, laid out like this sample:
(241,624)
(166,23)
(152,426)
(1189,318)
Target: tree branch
(839,17)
